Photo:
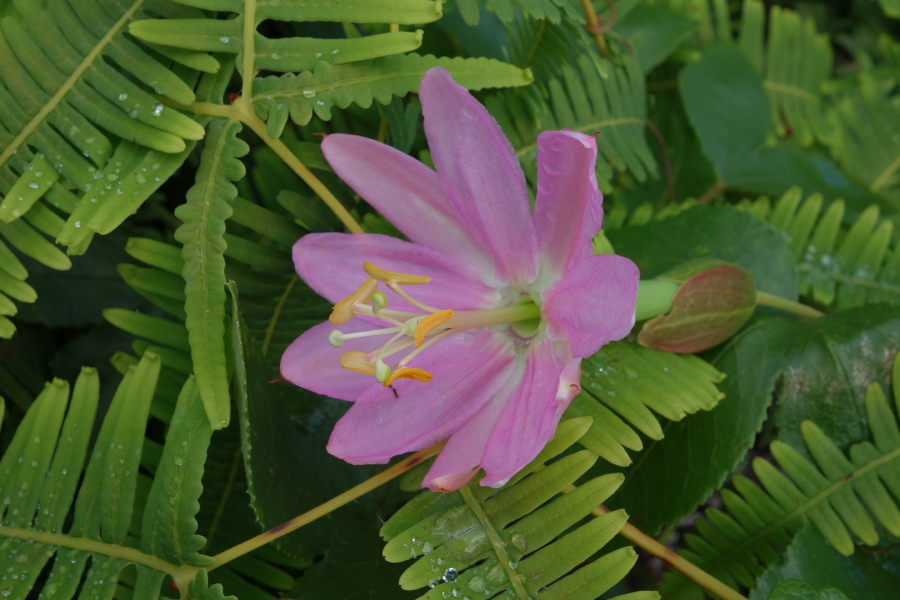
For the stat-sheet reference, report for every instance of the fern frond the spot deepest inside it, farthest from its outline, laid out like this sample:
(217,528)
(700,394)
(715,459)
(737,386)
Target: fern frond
(844,497)
(837,268)
(202,235)
(624,381)
(40,480)
(554,11)
(316,92)
(484,541)
(543,46)
(84,136)
(795,62)
(584,101)
(711,16)
(861,144)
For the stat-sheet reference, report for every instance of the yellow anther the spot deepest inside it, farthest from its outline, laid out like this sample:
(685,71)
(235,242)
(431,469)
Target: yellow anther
(355,360)
(408,373)
(391,277)
(429,323)
(343,310)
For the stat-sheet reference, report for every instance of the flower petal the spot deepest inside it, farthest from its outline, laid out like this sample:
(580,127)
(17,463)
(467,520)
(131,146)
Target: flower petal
(424,413)
(332,264)
(480,174)
(406,192)
(529,418)
(593,303)
(461,457)
(312,363)
(567,212)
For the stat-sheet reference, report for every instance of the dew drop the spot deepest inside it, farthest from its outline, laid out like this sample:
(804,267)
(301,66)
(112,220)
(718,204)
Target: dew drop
(133,113)
(450,575)
(427,548)
(157,110)
(179,462)
(224,39)
(308,93)
(123,97)
(16,212)
(88,186)
(318,55)
(33,185)
(477,584)
(519,541)
(140,178)
(77,224)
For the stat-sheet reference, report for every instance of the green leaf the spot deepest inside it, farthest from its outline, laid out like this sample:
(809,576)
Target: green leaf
(797,590)
(204,214)
(729,109)
(654,31)
(169,524)
(622,382)
(316,92)
(481,540)
(720,232)
(811,560)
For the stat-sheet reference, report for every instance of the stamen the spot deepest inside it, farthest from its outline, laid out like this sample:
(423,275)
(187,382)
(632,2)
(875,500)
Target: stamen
(403,294)
(409,373)
(391,277)
(429,323)
(357,361)
(379,302)
(382,371)
(343,310)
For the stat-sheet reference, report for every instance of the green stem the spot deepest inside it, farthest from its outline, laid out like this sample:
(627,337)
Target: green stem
(801,310)
(654,298)
(249,48)
(88,545)
(323,509)
(242,110)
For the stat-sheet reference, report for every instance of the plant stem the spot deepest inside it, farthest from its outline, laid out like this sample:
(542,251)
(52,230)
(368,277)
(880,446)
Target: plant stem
(249,47)
(593,26)
(689,570)
(717,188)
(88,545)
(242,110)
(323,509)
(801,310)
(667,167)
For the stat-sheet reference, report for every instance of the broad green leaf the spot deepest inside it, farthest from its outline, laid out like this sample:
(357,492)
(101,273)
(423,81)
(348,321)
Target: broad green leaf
(797,590)
(654,31)
(204,214)
(719,232)
(861,576)
(729,109)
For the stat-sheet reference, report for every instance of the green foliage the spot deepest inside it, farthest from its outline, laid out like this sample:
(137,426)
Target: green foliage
(843,496)
(836,266)
(102,104)
(480,540)
(584,100)
(623,381)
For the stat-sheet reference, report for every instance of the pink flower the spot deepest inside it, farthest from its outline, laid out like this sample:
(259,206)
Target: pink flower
(486,353)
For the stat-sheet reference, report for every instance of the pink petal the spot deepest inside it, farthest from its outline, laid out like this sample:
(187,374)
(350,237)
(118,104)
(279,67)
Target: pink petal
(567,211)
(593,303)
(465,380)
(312,363)
(406,192)
(480,174)
(529,419)
(461,457)
(331,263)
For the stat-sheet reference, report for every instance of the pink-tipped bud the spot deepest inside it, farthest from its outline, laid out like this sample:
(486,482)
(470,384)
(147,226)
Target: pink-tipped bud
(711,305)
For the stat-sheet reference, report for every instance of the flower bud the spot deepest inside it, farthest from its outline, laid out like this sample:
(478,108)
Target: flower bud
(713,302)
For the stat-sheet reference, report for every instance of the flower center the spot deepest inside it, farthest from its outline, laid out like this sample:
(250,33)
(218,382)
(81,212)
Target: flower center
(414,331)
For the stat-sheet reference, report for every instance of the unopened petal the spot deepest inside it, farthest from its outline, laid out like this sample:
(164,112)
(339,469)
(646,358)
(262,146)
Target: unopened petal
(593,303)
(529,418)
(332,264)
(467,374)
(480,174)
(567,212)
(406,192)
